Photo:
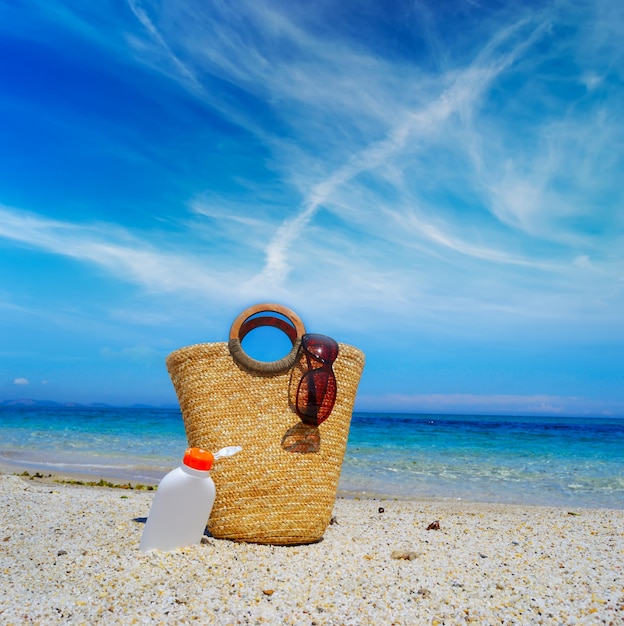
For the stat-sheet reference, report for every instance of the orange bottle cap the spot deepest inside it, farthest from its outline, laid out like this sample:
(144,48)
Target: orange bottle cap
(198,459)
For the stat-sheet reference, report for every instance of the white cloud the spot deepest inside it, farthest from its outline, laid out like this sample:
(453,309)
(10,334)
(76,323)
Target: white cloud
(408,132)
(115,249)
(21,381)
(495,403)
(397,175)
(182,69)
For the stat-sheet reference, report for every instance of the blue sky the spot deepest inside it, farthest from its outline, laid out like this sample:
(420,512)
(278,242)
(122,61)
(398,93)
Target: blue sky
(438,183)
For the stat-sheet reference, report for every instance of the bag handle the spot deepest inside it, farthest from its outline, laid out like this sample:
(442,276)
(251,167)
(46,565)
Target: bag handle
(245,323)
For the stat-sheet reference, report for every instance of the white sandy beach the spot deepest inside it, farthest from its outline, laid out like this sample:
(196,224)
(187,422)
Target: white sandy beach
(69,555)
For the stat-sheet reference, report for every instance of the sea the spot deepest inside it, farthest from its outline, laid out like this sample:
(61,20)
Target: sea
(555,461)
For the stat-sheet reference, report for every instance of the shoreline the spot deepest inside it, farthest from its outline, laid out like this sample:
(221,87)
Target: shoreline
(82,479)
(473,459)
(70,555)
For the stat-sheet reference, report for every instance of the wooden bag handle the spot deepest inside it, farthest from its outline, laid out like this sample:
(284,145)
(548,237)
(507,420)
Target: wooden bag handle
(245,323)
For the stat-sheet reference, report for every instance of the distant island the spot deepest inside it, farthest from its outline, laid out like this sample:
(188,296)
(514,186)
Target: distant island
(28,402)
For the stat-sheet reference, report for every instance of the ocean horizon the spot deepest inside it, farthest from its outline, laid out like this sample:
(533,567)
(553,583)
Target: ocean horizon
(531,460)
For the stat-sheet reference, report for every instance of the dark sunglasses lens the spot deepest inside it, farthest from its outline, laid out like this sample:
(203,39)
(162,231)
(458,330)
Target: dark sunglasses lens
(323,348)
(316,396)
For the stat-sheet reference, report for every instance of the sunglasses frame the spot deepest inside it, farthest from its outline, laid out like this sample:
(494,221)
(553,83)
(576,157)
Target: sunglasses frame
(318,411)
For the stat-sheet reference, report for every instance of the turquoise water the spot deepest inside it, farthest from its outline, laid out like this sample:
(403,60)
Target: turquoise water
(139,445)
(529,460)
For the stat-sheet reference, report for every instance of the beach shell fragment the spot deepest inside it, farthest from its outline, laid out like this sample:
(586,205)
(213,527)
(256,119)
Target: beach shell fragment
(406,555)
(434,525)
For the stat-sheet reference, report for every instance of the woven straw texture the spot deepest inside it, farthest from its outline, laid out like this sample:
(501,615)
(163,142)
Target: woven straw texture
(264,493)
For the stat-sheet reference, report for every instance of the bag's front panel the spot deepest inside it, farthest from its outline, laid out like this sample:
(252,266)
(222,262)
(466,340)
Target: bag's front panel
(265,494)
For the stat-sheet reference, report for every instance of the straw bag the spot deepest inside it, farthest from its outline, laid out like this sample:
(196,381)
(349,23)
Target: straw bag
(281,488)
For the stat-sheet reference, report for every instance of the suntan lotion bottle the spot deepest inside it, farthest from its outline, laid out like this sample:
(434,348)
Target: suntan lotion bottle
(183,502)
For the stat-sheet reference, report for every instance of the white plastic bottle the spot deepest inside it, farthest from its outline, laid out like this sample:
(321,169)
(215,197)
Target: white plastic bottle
(183,502)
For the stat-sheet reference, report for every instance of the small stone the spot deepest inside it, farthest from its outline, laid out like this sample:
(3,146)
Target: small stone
(434,525)
(268,592)
(425,593)
(381,509)
(333,521)
(61,552)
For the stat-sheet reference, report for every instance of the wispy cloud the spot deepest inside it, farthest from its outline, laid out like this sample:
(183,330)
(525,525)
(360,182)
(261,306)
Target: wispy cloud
(453,174)
(416,126)
(362,113)
(110,247)
(391,173)
(182,70)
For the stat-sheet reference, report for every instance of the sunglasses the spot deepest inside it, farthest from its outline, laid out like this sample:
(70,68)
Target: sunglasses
(316,393)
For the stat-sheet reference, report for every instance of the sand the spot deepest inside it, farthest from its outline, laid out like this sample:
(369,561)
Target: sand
(69,555)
